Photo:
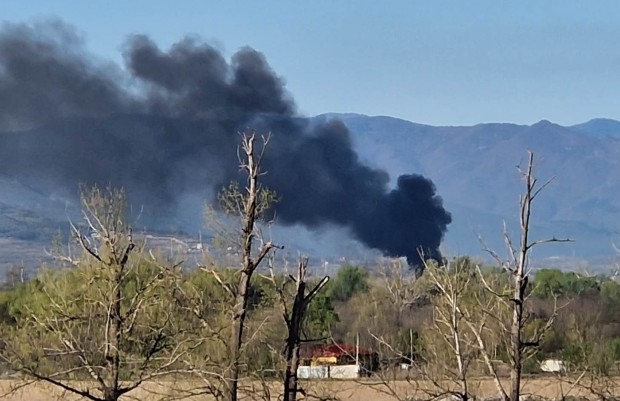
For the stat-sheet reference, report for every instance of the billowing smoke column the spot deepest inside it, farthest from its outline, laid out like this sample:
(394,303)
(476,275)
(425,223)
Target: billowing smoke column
(167,125)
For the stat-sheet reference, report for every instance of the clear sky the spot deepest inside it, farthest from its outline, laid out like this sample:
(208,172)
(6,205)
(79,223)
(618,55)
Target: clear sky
(435,62)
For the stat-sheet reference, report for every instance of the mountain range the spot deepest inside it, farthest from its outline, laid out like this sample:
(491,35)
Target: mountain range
(474,169)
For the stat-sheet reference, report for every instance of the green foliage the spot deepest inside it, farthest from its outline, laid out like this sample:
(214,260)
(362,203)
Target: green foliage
(262,293)
(596,356)
(600,359)
(320,318)
(531,365)
(584,333)
(25,297)
(553,343)
(199,284)
(614,348)
(349,281)
(407,344)
(554,282)
(610,291)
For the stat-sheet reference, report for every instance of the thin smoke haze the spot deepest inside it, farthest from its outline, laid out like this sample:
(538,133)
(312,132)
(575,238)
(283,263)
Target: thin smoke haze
(166,126)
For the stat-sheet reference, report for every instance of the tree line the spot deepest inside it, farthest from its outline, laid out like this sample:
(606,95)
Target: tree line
(112,314)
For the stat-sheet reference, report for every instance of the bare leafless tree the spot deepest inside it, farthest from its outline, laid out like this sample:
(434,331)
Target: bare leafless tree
(399,281)
(220,374)
(518,267)
(449,326)
(219,315)
(293,316)
(105,318)
(251,207)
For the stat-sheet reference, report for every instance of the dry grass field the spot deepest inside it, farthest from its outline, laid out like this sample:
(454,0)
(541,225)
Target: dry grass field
(362,390)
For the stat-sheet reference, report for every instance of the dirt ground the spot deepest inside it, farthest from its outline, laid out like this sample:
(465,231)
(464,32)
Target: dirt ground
(362,390)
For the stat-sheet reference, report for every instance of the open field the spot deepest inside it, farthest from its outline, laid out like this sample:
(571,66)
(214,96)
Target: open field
(373,390)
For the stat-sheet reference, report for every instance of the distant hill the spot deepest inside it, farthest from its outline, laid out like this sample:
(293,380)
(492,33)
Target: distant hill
(474,169)
(599,127)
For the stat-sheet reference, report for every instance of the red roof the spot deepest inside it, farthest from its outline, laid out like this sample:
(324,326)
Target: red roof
(331,350)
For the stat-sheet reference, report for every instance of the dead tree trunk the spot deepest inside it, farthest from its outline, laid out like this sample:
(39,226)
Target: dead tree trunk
(518,268)
(520,275)
(250,210)
(293,324)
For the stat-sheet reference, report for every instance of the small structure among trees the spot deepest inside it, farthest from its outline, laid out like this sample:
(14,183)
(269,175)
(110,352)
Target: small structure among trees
(336,361)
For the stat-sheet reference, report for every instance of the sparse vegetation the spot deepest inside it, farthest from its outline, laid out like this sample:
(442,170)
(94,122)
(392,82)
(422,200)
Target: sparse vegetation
(113,319)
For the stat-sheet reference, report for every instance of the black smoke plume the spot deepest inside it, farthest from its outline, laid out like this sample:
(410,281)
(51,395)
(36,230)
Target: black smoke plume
(166,125)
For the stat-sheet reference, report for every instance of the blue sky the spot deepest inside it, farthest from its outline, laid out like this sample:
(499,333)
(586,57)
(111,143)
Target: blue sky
(434,62)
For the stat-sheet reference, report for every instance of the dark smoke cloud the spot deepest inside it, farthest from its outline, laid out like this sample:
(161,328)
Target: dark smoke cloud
(168,124)
(45,75)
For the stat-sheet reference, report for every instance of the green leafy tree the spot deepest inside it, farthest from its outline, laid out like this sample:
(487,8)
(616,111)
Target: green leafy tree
(610,292)
(349,280)
(320,318)
(554,282)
